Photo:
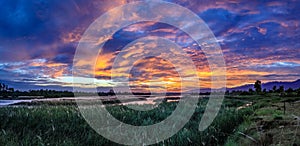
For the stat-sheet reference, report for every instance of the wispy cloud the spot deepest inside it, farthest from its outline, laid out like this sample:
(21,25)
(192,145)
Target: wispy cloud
(259,39)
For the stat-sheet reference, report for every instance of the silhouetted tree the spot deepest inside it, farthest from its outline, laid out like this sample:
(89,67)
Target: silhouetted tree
(11,89)
(274,89)
(265,90)
(3,87)
(270,91)
(257,86)
(227,92)
(111,92)
(281,89)
(251,90)
(290,90)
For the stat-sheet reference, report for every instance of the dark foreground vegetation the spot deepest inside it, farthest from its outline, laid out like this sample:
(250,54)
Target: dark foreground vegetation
(254,117)
(243,120)
(275,121)
(64,125)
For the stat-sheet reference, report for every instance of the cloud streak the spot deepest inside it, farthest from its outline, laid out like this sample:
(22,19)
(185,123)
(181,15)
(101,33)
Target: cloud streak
(259,39)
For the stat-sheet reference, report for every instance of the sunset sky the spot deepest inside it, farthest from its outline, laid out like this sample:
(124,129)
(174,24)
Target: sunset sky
(260,40)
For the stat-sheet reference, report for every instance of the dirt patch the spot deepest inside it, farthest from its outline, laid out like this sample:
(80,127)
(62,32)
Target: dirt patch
(271,126)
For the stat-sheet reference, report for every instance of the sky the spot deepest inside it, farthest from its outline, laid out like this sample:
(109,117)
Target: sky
(38,41)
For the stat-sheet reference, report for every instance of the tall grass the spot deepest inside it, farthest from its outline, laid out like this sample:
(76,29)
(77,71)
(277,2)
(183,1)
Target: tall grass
(64,125)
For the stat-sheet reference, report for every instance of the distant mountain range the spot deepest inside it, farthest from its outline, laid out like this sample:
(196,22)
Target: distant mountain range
(26,86)
(269,85)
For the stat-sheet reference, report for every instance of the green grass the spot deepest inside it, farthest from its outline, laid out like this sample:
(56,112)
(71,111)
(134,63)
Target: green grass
(268,125)
(268,111)
(47,125)
(64,125)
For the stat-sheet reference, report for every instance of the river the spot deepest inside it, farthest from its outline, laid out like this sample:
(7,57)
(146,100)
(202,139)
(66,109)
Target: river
(105,99)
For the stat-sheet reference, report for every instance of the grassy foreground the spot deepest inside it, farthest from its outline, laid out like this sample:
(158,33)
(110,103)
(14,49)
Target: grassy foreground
(64,125)
(275,122)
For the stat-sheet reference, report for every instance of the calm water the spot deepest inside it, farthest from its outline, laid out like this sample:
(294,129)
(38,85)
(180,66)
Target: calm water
(125,99)
(10,102)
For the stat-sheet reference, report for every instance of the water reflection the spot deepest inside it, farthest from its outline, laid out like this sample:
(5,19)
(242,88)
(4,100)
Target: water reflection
(126,100)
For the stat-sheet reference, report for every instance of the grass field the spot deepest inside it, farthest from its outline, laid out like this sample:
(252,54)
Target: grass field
(272,123)
(64,125)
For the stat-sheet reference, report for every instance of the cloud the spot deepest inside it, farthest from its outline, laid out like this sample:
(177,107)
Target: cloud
(259,39)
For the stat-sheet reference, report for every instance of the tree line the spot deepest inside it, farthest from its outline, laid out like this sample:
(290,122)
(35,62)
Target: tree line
(4,87)
(258,90)
(7,92)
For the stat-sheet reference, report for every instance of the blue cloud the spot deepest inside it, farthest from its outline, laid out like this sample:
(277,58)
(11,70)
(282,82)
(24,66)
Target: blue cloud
(248,30)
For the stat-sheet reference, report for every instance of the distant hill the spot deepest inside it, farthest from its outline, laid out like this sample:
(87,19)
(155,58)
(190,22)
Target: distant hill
(269,85)
(23,86)
(241,88)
